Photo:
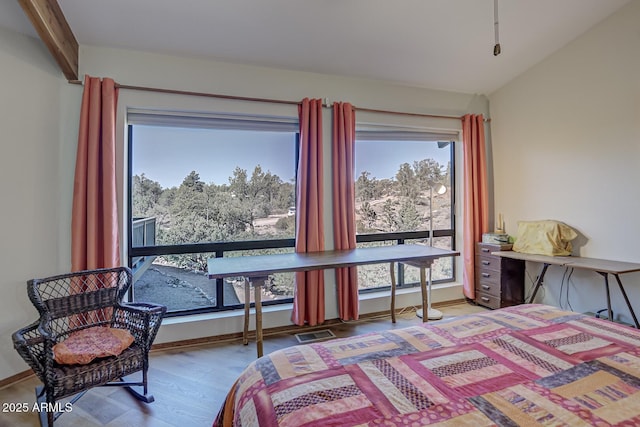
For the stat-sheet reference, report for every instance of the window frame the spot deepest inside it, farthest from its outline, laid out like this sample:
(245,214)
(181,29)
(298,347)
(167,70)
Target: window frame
(217,248)
(400,134)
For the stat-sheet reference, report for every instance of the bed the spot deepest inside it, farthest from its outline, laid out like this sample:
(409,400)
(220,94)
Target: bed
(526,365)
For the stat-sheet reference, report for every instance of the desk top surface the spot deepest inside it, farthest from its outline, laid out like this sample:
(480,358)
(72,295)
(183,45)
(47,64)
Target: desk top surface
(595,264)
(263,265)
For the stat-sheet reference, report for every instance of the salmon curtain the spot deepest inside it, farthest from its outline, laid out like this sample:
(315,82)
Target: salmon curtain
(308,299)
(94,220)
(344,220)
(476,205)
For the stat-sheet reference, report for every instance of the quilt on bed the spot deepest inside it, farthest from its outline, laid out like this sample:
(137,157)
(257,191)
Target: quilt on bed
(526,365)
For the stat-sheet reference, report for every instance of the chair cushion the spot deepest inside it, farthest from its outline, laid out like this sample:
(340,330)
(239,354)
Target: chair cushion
(70,379)
(81,347)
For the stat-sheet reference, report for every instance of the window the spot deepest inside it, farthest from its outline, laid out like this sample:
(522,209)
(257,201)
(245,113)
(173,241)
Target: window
(204,186)
(395,171)
(213,185)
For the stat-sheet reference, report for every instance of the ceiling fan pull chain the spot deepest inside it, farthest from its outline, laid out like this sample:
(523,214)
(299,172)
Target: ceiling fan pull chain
(496,28)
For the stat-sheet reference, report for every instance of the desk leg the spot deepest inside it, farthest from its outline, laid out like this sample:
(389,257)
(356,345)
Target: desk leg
(247,304)
(423,289)
(606,285)
(258,301)
(538,283)
(626,299)
(392,270)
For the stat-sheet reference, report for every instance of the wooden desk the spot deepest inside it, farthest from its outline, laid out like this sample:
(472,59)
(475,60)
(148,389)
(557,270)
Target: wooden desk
(256,270)
(604,267)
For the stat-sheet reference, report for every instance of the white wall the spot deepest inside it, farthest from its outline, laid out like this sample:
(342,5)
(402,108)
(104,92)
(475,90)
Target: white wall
(33,237)
(566,146)
(39,115)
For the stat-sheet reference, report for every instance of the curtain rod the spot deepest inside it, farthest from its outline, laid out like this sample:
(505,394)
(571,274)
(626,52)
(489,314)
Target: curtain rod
(400,113)
(268,100)
(205,94)
(201,94)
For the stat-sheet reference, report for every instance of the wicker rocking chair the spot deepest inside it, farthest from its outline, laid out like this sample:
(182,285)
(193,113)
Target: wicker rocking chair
(74,302)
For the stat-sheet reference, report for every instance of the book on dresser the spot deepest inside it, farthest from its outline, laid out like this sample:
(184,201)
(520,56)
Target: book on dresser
(499,281)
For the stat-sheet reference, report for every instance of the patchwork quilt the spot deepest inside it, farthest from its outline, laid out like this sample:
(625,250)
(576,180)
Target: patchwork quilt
(527,365)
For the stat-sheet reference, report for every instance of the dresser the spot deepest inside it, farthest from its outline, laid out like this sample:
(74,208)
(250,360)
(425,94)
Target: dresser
(499,281)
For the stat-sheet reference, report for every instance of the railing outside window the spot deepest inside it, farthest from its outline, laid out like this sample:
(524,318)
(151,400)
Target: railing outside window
(222,294)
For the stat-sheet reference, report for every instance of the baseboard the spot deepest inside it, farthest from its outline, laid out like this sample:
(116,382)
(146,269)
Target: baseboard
(286,329)
(238,335)
(20,376)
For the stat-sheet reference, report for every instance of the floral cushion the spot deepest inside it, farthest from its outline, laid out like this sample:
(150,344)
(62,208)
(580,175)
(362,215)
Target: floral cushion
(81,347)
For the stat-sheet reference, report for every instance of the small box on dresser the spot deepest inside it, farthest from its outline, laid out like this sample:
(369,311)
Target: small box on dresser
(499,281)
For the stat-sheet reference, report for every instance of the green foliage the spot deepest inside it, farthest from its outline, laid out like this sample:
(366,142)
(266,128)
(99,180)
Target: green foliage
(197,212)
(287,224)
(389,215)
(408,218)
(146,196)
(406,179)
(427,172)
(366,188)
(369,216)
(193,182)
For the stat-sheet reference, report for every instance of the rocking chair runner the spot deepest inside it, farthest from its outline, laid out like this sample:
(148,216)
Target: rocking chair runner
(73,302)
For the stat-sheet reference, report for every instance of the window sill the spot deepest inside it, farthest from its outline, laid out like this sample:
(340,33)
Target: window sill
(198,326)
(226,314)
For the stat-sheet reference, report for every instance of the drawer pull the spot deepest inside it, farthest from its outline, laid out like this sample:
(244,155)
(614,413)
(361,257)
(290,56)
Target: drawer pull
(485,299)
(486,275)
(486,262)
(485,250)
(486,287)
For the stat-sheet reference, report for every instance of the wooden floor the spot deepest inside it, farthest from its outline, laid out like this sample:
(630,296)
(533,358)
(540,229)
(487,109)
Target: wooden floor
(189,383)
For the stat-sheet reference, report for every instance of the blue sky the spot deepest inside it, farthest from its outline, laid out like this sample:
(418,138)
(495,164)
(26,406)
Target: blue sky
(382,158)
(168,154)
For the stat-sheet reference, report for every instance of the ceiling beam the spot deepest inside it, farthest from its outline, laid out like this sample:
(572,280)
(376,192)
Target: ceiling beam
(49,21)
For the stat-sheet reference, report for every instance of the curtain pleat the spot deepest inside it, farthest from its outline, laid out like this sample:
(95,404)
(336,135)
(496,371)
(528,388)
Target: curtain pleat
(308,300)
(476,206)
(94,221)
(344,222)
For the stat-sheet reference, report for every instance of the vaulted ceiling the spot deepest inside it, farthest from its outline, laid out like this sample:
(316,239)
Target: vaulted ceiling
(439,44)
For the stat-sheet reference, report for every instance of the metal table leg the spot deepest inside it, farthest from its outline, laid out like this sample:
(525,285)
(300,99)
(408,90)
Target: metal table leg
(393,292)
(538,282)
(606,286)
(626,299)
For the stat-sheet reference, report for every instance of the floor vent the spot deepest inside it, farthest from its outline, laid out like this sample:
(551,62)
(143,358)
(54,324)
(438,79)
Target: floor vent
(307,337)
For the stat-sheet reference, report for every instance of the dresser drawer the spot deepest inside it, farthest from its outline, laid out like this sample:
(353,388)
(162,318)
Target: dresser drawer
(490,262)
(486,249)
(487,287)
(487,300)
(484,275)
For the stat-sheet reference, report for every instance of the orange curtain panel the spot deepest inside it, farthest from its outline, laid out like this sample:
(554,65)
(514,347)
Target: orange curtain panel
(476,209)
(344,220)
(94,220)
(308,299)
